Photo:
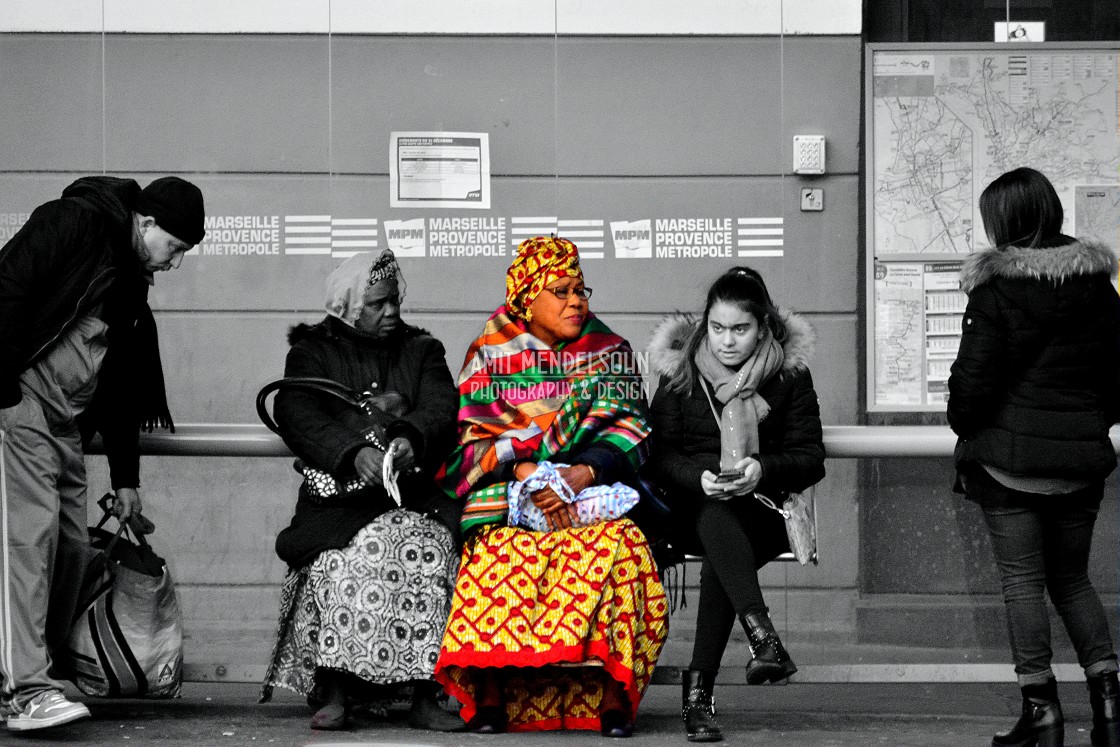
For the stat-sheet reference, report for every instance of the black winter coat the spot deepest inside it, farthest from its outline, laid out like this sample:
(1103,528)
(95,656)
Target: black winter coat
(1036,384)
(324,433)
(73,255)
(686,436)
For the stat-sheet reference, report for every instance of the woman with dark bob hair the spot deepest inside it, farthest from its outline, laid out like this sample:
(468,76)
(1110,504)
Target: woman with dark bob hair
(735,419)
(1032,395)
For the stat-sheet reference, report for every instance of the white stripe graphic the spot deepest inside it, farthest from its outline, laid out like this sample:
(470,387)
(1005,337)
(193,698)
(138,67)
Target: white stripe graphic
(581,244)
(761,231)
(760,221)
(347,255)
(353,221)
(551,219)
(761,242)
(581,222)
(590,255)
(307,218)
(6,652)
(761,253)
(356,242)
(532,230)
(583,234)
(307,250)
(353,232)
(306,229)
(289,240)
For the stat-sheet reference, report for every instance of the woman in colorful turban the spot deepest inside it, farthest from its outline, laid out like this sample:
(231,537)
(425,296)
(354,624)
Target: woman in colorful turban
(557,629)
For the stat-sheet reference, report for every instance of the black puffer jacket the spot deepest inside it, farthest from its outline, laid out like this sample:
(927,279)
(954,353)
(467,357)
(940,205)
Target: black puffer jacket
(686,438)
(1036,383)
(73,255)
(324,433)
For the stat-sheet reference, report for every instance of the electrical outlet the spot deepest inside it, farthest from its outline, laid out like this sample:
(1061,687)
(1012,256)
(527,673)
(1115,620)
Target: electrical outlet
(808,154)
(812,199)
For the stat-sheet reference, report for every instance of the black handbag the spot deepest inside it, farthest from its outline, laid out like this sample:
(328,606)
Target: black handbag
(328,490)
(321,485)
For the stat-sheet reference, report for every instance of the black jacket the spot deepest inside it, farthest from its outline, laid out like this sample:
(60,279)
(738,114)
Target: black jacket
(75,255)
(1036,383)
(324,432)
(686,437)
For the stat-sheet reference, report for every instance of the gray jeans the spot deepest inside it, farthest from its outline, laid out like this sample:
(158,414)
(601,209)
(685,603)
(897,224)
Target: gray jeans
(1042,544)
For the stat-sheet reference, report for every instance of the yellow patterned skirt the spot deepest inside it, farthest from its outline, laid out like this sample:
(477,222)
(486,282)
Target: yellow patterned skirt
(562,612)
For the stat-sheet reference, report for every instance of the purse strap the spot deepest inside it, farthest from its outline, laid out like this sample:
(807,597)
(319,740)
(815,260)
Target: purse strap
(307,383)
(711,403)
(765,501)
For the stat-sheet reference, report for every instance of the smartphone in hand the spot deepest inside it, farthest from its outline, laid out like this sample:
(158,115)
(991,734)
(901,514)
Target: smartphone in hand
(729,475)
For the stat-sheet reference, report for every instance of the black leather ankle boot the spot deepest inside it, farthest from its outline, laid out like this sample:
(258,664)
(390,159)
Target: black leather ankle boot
(771,662)
(1041,724)
(1104,693)
(698,707)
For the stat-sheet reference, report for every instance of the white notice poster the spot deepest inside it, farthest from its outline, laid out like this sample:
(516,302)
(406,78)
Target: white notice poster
(439,170)
(898,333)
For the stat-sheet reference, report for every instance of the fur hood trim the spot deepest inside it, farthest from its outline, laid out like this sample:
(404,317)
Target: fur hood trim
(670,339)
(331,327)
(1055,263)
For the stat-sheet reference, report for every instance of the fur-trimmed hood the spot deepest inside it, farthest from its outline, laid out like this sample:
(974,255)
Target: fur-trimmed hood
(331,327)
(670,339)
(1056,264)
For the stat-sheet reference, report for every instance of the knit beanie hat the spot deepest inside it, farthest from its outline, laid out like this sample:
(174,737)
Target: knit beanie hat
(176,205)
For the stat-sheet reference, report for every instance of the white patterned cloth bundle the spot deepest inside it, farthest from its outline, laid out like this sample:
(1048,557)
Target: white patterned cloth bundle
(594,505)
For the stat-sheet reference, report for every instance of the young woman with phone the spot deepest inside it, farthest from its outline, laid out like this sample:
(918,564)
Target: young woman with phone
(735,415)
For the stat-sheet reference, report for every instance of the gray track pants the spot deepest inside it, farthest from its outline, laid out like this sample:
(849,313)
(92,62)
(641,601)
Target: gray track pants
(43,537)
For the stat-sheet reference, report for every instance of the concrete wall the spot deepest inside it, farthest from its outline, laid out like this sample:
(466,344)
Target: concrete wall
(581,127)
(595,112)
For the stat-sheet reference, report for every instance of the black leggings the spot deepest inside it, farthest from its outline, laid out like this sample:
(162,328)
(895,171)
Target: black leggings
(728,578)
(1041,544)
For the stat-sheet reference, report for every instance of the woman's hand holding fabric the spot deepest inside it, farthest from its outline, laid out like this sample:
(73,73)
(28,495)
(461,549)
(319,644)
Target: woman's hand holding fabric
(563,516)
(522,470)
(577,477)
(367,463)
(557,513)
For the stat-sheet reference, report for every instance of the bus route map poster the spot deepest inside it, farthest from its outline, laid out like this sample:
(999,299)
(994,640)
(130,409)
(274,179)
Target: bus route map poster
(942,121)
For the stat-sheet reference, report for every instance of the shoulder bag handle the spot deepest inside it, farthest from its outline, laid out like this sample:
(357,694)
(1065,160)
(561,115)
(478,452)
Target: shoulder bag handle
(307,383)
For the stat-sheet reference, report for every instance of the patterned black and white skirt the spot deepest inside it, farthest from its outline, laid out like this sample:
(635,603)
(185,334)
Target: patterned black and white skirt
(375,608)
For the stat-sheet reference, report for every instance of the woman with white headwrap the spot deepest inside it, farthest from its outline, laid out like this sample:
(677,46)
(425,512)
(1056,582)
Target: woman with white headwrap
(369,586)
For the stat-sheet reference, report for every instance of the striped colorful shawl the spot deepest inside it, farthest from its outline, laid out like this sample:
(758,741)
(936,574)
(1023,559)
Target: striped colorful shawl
(521,400)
